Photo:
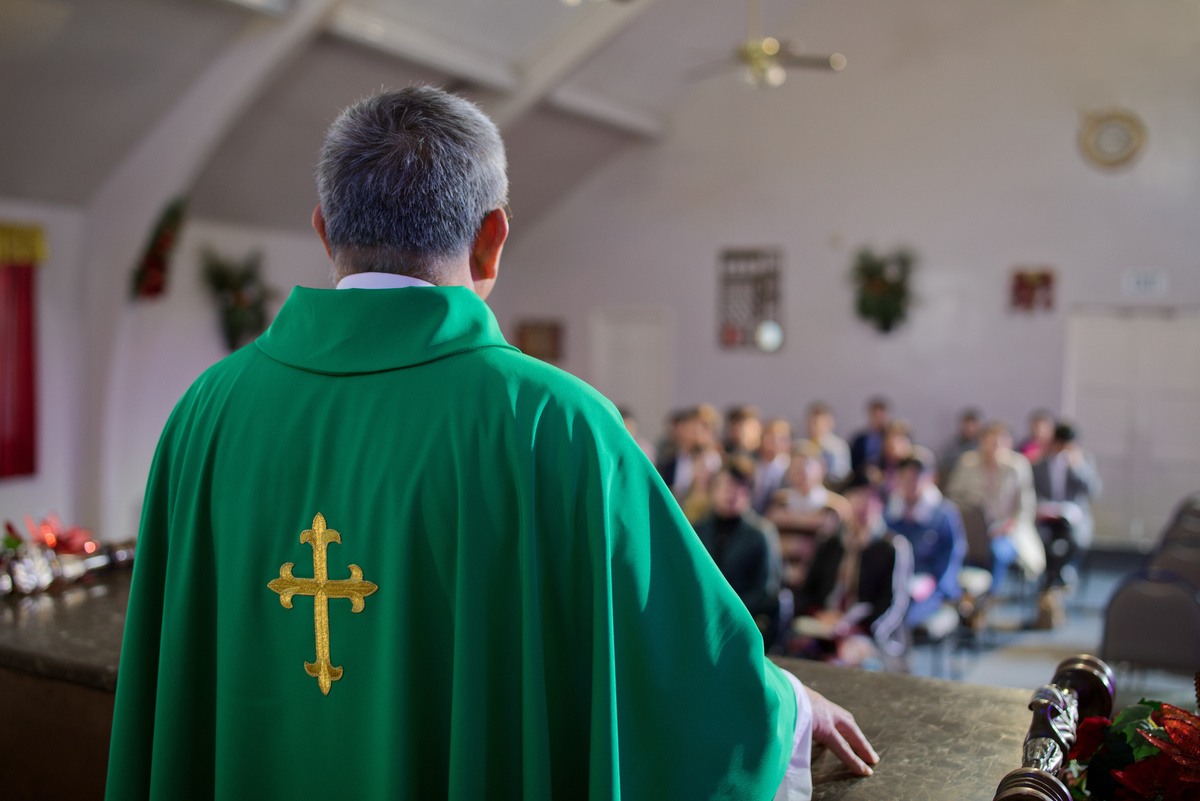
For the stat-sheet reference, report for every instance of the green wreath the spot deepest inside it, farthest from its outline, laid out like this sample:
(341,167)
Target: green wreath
(883,296)
(240,294)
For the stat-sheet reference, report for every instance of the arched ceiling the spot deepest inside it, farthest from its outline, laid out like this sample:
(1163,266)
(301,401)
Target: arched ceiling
(83,81)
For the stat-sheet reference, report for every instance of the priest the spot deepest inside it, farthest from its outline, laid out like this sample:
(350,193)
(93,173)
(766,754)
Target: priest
(383,554)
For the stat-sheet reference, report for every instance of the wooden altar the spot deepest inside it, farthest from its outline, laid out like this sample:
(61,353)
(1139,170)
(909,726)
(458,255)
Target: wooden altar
(938,740)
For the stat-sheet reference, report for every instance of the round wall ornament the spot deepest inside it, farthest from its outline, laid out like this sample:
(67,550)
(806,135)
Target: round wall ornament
(1111,139)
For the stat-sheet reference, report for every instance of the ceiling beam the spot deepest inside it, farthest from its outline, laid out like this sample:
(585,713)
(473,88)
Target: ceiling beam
(538,77)
(395,37)
(548,65)
(276,8)
(600,108)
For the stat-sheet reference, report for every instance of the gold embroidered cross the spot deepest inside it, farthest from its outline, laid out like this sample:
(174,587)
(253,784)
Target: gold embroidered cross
(322,589)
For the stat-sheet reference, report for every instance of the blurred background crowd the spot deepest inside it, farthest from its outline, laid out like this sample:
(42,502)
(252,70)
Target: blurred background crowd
(851,551)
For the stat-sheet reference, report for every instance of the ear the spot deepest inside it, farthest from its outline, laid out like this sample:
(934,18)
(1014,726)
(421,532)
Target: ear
(485,251)
(318,223)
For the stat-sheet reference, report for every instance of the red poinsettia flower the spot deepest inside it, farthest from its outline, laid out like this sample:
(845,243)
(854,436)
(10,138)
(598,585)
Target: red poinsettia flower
(1183,747)
(1156,777)
(1088,737)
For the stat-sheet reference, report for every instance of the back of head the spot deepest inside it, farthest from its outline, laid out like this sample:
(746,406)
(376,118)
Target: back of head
(406,178)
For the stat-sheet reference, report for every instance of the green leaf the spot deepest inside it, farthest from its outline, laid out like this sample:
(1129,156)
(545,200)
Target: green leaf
(1131,714)
(1143,750)
(1129,722)
(1079,791)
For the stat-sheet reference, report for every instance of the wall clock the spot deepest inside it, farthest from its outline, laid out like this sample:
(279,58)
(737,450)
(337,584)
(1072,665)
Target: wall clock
(1111,139)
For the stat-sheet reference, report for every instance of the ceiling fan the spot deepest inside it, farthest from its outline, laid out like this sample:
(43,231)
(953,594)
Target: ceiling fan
(764,59)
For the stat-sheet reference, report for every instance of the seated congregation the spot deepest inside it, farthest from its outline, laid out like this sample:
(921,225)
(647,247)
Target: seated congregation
(849,552)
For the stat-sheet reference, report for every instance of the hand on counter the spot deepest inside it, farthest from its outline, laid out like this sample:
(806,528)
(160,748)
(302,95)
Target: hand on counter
(835,728)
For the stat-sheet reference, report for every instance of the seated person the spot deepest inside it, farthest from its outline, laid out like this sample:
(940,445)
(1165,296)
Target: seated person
(1041,434)
(744,545)
(965,439)
(999,481)
(917,511)
(1065,482)
(805,504)
(743,431)
(854,598)
(697,501)
(866,445)
(710,425)
(834,450)
(631,425)
(897,446)
(689,440)
(774,454)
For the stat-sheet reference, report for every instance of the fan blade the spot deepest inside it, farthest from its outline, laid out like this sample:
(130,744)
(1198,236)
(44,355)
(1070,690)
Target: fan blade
(834,63)
(709,70)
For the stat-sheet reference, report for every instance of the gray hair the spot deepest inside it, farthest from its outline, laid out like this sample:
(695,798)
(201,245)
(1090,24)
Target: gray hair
(405,180)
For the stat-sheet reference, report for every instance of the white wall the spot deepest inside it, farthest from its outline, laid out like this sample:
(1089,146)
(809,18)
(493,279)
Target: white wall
(164,344)
(953,131)
(52,489)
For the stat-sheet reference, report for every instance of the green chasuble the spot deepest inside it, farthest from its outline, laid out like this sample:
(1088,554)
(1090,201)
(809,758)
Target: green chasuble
(383,554)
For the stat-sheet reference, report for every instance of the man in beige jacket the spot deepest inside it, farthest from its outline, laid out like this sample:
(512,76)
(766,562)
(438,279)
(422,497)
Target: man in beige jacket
(998,480)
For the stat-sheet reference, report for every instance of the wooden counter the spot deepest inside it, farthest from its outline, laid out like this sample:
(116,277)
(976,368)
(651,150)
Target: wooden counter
(937,740)
(58,671)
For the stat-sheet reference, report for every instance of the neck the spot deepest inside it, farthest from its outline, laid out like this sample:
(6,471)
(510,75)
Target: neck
(448,272)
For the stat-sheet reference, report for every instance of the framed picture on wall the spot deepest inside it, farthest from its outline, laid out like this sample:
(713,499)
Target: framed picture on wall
(541,339)
(1032,289)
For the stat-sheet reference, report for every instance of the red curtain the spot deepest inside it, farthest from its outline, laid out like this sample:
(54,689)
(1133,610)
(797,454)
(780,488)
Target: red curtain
(20,250)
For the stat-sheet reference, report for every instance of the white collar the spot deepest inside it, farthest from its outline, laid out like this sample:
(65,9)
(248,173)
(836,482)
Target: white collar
(379,281)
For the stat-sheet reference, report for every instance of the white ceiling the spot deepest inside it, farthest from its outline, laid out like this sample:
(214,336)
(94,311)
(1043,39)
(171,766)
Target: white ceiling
(82,81)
